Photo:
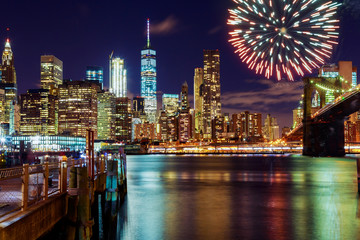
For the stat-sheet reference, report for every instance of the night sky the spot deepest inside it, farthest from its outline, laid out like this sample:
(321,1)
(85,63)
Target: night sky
(83,33)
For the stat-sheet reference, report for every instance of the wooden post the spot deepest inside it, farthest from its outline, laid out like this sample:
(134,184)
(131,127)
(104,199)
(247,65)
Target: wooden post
(46,180)
(63,176)
(84,204)
(25,187)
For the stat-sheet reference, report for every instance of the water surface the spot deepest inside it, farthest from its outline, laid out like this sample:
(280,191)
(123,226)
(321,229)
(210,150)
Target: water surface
(238,197)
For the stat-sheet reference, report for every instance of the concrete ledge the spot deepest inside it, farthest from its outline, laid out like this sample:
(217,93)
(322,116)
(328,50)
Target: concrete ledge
(35,221)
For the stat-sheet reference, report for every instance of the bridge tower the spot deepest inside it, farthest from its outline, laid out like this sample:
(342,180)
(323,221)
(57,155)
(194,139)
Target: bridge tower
(322,137)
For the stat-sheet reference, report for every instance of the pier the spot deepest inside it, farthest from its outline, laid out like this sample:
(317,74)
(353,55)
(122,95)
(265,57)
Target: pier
(33,198)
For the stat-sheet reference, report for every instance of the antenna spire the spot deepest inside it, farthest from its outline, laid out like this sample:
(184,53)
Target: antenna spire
(148,33)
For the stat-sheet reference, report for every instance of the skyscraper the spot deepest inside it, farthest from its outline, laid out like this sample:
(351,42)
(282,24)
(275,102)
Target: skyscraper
(117,76)
(198,81)
(170,104)
(211,89)
(94,73)
(51,71)
(185,97)
(123,119)
(8,84)
(37,113)
(106,115)
(78,107)
(148,78)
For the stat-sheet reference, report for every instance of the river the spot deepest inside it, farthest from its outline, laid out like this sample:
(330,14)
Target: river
(239,197)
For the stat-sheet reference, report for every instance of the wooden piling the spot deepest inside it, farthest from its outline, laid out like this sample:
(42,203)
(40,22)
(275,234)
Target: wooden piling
(25,187)
(358,173)
(72,205)
(84,204)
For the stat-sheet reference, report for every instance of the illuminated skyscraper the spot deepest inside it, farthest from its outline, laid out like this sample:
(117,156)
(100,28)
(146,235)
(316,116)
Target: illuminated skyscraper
(198,81)
(185,97)
(106,115)
(123,120)
(117,76)
(170,104)
(8,84)
(51,71)
(37,112)
(211,89)
(78,107)
(94,73)
(148,78)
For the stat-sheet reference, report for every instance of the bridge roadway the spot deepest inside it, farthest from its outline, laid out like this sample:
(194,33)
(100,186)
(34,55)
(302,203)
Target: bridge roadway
(340,108)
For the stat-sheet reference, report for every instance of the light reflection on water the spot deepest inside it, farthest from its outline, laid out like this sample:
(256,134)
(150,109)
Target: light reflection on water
(227,197)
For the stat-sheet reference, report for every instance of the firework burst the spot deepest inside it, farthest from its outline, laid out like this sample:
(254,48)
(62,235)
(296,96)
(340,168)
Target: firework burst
(284,37)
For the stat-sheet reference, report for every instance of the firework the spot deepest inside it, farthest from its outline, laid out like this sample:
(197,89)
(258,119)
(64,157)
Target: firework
(284,37)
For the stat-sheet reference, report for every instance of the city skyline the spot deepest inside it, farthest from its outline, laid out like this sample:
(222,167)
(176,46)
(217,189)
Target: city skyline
(176,35)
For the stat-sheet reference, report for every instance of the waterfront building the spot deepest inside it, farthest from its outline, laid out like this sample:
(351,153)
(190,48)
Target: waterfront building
(117,76)
(9,85)
(106,107)
(95,73)
(78,107)
(211,89)
(198,108)
(51,71)
(50,143)
(185,126)
(148,78)
(172,123)
(170,104)
(185,97)
(247,126)
(163,125)
(217,127)
(37,113)
(2,107)
(145,130)
(271,128)
(123,120)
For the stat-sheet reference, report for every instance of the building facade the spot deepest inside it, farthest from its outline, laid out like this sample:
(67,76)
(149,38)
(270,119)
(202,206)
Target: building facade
(9,85)
(184,97)
(77,108)
(37,113)
(170,104)
(95,73)
(271,128)
(123,120)
(198,108)
(106,106)
(51,71)
(211,89)
(148,78)
(117,76)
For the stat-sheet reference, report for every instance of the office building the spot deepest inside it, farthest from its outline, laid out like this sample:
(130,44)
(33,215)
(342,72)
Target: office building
(211,89)
(271,128)
(170,104)
(95,73)
(51,71)
(148,78)
(163,125)
(138,107)
(185,97)
(37,113)
(78,108)
(106,107)
(185,126)
(117,76)
(9,85)
(247,126)
(198,120)
(123,120)
(144,131)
